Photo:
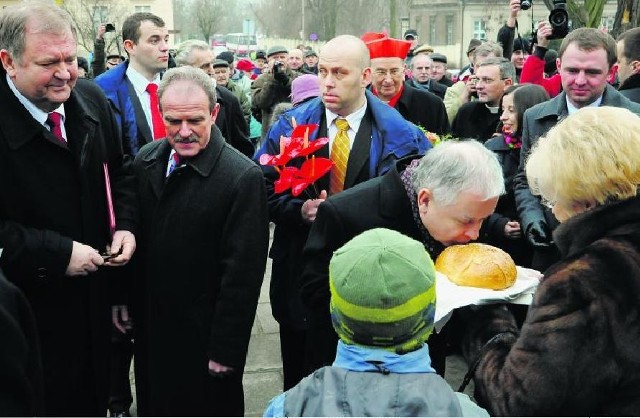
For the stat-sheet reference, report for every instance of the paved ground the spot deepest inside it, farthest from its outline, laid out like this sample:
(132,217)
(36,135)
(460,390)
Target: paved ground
(263,372)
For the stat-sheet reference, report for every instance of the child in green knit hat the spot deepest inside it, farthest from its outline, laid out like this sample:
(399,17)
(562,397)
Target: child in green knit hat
(383,301)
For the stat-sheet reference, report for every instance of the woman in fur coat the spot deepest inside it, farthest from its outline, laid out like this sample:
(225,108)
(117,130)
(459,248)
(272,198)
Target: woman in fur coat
(578,352)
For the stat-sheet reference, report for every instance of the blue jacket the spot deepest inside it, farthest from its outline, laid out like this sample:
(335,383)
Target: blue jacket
(374,382)
(115,86)
(392,136)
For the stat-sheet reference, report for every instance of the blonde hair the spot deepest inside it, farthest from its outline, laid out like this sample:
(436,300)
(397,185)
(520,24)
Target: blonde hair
(591,156)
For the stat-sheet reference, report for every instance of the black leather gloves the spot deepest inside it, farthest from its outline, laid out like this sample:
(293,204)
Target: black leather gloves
(538,234)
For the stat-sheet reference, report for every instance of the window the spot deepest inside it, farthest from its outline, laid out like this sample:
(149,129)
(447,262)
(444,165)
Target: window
(404,24)
(100,15)
(432,30)
(606,23)
(479,29)
(449,27)
(140,9)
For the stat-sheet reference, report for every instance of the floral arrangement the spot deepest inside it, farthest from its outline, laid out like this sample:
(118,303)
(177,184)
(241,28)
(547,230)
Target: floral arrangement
(434,138)
(298,145)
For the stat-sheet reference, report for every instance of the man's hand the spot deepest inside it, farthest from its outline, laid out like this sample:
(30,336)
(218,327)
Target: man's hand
(121,319)
(309,208)
(102,29)
(469,89)
(84,259)
(218,370)
(538,234)
(123,244)
(512,230)
(543,33)
(514,9)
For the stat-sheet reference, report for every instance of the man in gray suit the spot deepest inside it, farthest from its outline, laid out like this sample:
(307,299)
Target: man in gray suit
(586,59)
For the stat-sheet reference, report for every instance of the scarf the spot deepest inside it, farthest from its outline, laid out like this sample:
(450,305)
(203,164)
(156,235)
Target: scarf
(434,248)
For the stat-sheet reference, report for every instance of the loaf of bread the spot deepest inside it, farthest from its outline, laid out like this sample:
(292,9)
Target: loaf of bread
(477,265)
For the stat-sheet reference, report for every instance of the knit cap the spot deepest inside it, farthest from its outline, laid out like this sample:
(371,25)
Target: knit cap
(383,291)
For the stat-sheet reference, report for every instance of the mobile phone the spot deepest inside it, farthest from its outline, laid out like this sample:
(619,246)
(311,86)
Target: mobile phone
(109,27)
(108,256)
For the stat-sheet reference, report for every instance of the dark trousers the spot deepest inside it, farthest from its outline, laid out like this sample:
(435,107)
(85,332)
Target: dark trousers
(292,349)
(120,398)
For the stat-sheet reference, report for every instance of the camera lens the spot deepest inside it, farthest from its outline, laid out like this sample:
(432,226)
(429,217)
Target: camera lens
(525,4)
(558,19)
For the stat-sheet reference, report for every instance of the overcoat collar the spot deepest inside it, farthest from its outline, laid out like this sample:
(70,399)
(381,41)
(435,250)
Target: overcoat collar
(155,162)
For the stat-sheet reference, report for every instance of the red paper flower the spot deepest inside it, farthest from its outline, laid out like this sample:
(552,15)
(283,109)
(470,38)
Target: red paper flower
(298,145)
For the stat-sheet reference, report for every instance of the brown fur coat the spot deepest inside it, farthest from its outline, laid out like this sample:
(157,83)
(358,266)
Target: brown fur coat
(578,352)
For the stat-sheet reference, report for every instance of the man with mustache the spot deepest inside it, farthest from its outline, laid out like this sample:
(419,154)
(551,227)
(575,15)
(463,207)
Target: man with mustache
(203,250)
(375,136)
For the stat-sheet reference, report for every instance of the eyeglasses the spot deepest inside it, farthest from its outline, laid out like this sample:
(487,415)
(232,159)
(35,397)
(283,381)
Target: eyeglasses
(383,73)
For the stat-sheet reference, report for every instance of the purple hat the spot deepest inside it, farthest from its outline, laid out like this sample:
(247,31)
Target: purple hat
(304,87)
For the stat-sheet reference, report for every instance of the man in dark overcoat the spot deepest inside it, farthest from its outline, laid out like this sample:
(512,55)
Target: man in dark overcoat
(440,199)
(61,174)
(586,59)
(203,250)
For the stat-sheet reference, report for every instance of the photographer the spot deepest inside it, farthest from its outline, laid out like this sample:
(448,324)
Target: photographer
(99,64)
(533,68)
(273,86)
(515,49)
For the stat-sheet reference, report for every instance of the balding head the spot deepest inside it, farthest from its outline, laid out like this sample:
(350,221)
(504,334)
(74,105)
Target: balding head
(344,73)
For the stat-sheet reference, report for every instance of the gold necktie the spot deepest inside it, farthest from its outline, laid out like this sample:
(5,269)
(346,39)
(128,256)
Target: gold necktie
(339,155)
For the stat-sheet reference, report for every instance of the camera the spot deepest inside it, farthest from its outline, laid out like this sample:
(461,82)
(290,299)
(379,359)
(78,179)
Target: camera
(559,21)
(278,67)
(109,27)
(525,4)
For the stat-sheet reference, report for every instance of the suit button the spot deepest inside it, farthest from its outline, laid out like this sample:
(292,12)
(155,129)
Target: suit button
(41,273)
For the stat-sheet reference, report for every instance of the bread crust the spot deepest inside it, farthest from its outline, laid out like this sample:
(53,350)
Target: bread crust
(477,265)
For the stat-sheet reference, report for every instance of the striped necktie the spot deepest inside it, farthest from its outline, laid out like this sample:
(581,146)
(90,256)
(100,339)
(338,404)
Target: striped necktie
(340,156)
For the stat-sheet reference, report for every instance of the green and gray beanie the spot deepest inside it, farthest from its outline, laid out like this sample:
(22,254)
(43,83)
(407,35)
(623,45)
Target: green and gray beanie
(383,291)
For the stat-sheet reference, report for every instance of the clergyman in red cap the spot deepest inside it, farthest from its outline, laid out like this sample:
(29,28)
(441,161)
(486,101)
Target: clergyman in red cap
(418,106)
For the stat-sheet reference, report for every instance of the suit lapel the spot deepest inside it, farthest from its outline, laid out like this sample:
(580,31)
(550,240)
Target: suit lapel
(144,131)
(359,155)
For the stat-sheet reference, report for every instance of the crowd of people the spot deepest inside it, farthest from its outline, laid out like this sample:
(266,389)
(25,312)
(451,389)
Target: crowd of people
(135,210)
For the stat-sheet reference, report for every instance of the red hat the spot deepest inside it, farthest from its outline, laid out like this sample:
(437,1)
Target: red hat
(373,36)
(388,48)
(244,65)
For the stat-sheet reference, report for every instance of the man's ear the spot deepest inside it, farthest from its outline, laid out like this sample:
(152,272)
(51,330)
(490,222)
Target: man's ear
(508,82)
(636,66)
(128,45)
(8,63)
(214,112)
(424,198)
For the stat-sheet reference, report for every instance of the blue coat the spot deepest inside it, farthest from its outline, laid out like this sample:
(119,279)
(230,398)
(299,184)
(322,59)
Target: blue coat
(115,85)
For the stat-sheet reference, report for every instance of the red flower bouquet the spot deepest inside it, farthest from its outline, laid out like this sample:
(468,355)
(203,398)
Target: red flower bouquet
(298,145)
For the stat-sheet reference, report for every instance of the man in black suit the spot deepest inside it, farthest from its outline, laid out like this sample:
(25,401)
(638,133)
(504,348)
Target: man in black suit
(418,106)
(377,135)
(65,195)
(421,79)
(440,199)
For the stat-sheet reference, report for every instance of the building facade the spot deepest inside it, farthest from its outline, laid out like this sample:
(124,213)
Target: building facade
(449,25)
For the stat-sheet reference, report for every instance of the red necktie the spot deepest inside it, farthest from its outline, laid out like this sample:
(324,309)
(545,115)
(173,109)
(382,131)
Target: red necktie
(156,117)
(53,120)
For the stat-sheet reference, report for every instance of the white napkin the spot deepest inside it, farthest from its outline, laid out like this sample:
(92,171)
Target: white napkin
(450,296)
